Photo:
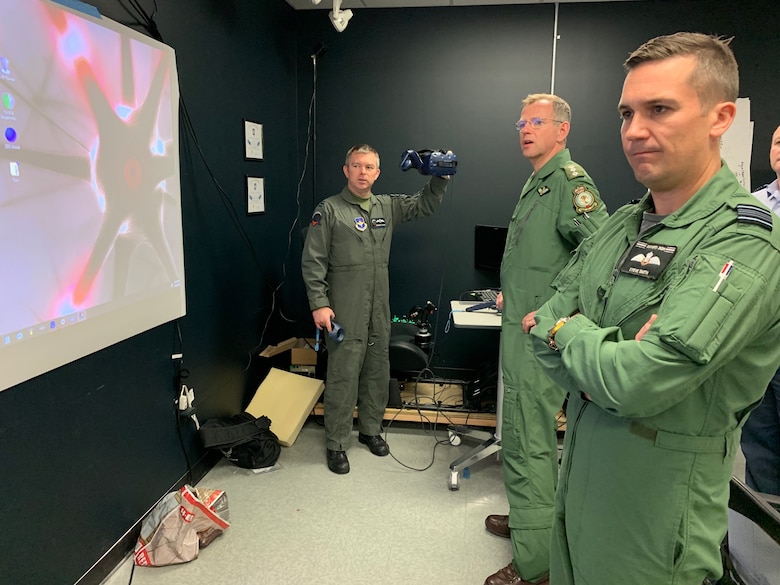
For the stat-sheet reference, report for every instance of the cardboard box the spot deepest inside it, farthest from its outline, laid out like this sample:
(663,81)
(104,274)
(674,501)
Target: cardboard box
(287,399)
(303,358)
(304,370)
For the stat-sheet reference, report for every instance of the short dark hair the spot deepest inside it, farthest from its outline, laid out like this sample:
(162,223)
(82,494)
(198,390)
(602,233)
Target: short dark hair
(716,76)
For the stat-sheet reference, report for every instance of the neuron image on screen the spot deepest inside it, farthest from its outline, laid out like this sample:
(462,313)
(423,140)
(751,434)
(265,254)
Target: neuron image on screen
(91,246)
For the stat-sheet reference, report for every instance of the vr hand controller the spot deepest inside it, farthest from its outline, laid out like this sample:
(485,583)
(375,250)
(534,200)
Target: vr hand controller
(430,162)
(480,306)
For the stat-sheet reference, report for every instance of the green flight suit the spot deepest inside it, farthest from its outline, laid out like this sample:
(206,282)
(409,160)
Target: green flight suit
(644,484)
(344,267)
(559,206)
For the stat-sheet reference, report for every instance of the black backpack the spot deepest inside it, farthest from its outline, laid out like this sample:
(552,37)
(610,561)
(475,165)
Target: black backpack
(244,440)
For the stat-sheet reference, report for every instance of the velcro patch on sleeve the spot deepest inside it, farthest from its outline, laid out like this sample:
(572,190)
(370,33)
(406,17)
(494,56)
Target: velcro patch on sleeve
(754,214)
(584,200)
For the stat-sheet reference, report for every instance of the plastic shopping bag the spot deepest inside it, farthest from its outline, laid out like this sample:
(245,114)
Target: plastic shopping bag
(180,525)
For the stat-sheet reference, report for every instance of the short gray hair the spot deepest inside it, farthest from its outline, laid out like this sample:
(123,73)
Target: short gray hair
(561,109)
(362,149)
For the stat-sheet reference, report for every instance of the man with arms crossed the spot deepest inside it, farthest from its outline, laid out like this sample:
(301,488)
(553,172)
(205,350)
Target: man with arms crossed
(665,326)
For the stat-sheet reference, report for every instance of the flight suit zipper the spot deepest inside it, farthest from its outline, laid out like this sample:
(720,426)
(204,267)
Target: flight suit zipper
(521,227)
(604,292)
(567,469)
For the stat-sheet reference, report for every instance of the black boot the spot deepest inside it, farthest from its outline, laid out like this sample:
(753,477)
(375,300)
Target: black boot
(338,462)
(376,444)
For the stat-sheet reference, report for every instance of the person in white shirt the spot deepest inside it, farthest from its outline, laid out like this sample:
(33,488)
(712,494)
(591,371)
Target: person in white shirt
(761,434)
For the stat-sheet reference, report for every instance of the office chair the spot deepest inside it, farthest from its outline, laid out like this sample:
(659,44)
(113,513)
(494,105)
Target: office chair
(407,358)
(751,551)
(411,342)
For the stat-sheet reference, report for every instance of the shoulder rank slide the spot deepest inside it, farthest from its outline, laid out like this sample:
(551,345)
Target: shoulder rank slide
(747,213)
(584,200)
(573,170)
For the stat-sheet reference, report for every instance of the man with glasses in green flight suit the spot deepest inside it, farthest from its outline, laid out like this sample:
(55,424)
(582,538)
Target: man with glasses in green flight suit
(559,207)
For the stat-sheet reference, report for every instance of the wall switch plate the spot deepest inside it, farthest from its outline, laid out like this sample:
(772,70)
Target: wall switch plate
(255,195)
(253,140)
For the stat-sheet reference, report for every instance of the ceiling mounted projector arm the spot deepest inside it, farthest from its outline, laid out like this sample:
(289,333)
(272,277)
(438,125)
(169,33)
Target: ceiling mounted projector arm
(339,18)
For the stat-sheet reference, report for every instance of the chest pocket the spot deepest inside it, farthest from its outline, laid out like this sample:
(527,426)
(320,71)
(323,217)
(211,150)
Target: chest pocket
(610,296)
(640,299)
(570,274)
(708,318)
(349,245)
(380,227)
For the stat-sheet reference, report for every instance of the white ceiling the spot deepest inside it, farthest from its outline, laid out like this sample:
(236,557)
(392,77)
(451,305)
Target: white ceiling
(328,4)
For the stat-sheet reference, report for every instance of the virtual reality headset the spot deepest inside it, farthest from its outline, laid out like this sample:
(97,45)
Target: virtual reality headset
(430,162)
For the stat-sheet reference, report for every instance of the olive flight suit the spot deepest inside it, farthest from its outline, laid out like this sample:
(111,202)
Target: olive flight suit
(559,206)
(653,425)
(344,267)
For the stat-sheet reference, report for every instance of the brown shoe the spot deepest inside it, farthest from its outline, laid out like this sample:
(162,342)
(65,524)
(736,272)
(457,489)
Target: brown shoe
(508,576)
(498,525)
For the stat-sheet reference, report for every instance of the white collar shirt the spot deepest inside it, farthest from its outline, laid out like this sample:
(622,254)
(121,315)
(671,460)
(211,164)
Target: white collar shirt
(770,196)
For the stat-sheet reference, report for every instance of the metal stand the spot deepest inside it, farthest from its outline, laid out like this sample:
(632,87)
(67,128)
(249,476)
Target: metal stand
(490,443)
(487,447)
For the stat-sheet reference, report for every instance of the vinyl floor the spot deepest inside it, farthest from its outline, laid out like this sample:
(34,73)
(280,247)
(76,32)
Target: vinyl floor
(391,520)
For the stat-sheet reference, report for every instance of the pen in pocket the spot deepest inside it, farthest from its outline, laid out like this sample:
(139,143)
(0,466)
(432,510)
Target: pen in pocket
(724,274)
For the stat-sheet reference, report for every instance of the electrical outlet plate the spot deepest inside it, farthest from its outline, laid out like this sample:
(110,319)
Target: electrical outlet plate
(255,195)
(253,140)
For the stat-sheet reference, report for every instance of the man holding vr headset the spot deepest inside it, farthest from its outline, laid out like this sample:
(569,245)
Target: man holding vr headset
(344,266)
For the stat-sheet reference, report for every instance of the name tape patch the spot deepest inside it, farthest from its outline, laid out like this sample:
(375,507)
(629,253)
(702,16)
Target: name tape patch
(646,260)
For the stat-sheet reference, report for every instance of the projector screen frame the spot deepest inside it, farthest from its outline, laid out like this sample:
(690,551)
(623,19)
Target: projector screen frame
(120,271)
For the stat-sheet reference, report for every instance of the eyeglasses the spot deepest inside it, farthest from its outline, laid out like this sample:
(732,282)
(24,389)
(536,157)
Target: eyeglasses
(535,123)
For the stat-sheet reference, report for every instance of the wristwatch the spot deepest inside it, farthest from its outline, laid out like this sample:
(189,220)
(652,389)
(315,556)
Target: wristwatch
(551,333)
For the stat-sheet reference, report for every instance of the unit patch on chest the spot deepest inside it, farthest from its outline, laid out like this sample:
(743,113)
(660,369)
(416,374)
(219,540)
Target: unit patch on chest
(360,224)
(378,222)
(584,200)
(647,260)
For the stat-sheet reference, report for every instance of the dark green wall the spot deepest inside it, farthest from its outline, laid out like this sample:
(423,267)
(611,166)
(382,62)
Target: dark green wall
(453,77)
(87,449)
(432,78)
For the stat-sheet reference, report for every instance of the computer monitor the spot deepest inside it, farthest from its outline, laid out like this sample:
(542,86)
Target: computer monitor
(489,242)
